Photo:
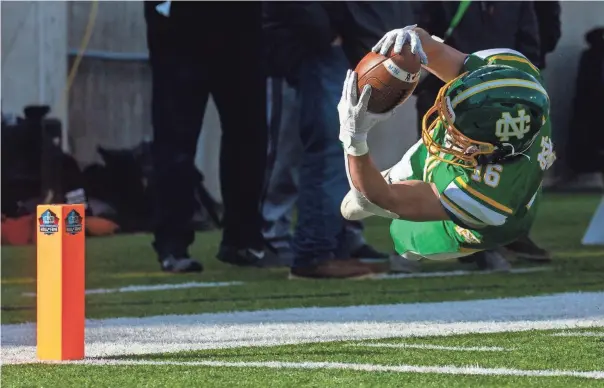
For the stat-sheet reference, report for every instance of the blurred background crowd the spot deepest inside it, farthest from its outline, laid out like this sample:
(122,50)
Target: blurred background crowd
(121,129)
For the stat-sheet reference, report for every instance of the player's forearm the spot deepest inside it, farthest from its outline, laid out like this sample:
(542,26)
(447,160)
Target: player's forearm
(366,178)
(444,61)
(410,200)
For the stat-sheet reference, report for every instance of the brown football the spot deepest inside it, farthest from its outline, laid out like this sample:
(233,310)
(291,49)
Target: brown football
(392,78)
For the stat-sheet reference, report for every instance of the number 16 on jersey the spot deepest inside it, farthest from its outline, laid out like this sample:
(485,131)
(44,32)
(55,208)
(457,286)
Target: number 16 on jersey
(491,175)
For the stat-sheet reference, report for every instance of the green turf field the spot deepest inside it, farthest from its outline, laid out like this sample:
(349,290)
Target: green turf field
(116,264)
(533,358)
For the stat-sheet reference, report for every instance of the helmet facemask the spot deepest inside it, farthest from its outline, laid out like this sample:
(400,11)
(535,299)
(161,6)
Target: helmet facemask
(466,151)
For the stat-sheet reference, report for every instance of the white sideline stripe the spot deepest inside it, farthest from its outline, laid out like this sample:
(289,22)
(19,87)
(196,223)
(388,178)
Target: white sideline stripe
(458,273)
(578,334)
(435,347)
(449,370)
(175,333)
(154,287)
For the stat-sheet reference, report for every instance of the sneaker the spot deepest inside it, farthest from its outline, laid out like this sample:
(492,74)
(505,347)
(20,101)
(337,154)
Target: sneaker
(400,264)
(174,264)
(492,260)
(334,269)
(525,249)
(249,257)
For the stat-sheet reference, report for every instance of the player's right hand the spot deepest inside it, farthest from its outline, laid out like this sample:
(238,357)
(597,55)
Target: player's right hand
(355,119)
(399,37)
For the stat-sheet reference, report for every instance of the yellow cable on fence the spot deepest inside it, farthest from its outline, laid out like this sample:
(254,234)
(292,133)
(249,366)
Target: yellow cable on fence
(83,45)
(49,196)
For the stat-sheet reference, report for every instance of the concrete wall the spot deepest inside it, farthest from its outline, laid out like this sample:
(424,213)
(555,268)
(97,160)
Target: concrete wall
(110,100)
(34,64)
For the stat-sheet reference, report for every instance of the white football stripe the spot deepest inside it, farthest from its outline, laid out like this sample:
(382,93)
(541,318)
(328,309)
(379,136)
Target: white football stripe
(467,220)
(449,370)
(530,203)
(434,347)
(399,73)
(468,204)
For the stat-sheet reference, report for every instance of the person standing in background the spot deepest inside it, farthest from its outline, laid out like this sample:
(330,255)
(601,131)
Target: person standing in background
(310,45)
(585,148)
(192,54)
(575,174)
(550,31)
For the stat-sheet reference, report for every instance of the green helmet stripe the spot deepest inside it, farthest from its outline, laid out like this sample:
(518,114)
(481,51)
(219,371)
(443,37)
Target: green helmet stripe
(485,86)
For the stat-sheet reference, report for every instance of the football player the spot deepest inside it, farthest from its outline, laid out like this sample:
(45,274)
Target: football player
(473,182)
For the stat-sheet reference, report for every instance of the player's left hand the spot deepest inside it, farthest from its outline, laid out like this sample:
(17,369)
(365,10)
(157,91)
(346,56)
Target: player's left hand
(398,38)
(355,119)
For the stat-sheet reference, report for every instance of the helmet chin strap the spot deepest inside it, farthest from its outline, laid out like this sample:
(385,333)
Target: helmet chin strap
(500,154)
(514,153)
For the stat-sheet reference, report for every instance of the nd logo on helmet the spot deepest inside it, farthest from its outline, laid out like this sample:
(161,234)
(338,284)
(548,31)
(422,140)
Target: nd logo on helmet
(508,126)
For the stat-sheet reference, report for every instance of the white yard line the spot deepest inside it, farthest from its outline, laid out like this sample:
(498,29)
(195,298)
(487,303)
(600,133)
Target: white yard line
(173,333)
(154,287)
(579,334)
(449,370)
(176,286)
(458,273)
(434,347)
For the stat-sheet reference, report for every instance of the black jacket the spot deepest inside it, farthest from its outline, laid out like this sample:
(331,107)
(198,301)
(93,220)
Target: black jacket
(201,28)
(485,25)
(295,31)
(548,20)
(586,139)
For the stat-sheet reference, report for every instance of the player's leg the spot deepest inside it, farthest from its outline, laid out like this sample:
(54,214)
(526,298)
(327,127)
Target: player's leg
(179,96)
(430,240)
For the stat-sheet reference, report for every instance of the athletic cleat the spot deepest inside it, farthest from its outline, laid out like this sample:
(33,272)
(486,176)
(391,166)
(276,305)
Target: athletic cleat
(174,264)
(400,264)
(492,260)
(249,257)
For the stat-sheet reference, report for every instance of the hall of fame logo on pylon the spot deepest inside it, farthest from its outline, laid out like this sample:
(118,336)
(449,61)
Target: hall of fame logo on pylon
(49,223)
(73,222)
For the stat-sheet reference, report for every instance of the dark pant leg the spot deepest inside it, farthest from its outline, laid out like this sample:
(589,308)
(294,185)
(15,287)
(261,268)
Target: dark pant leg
(239,90)
(179,96)
(323,181)
(282,193)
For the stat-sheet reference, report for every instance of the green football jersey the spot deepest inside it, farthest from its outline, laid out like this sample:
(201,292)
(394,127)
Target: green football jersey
(489,206)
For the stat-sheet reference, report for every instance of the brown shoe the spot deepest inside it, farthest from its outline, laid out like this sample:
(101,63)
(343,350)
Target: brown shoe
(334,269)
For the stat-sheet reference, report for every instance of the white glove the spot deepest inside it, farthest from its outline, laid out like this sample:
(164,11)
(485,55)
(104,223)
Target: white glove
(355,120)
(399,37)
